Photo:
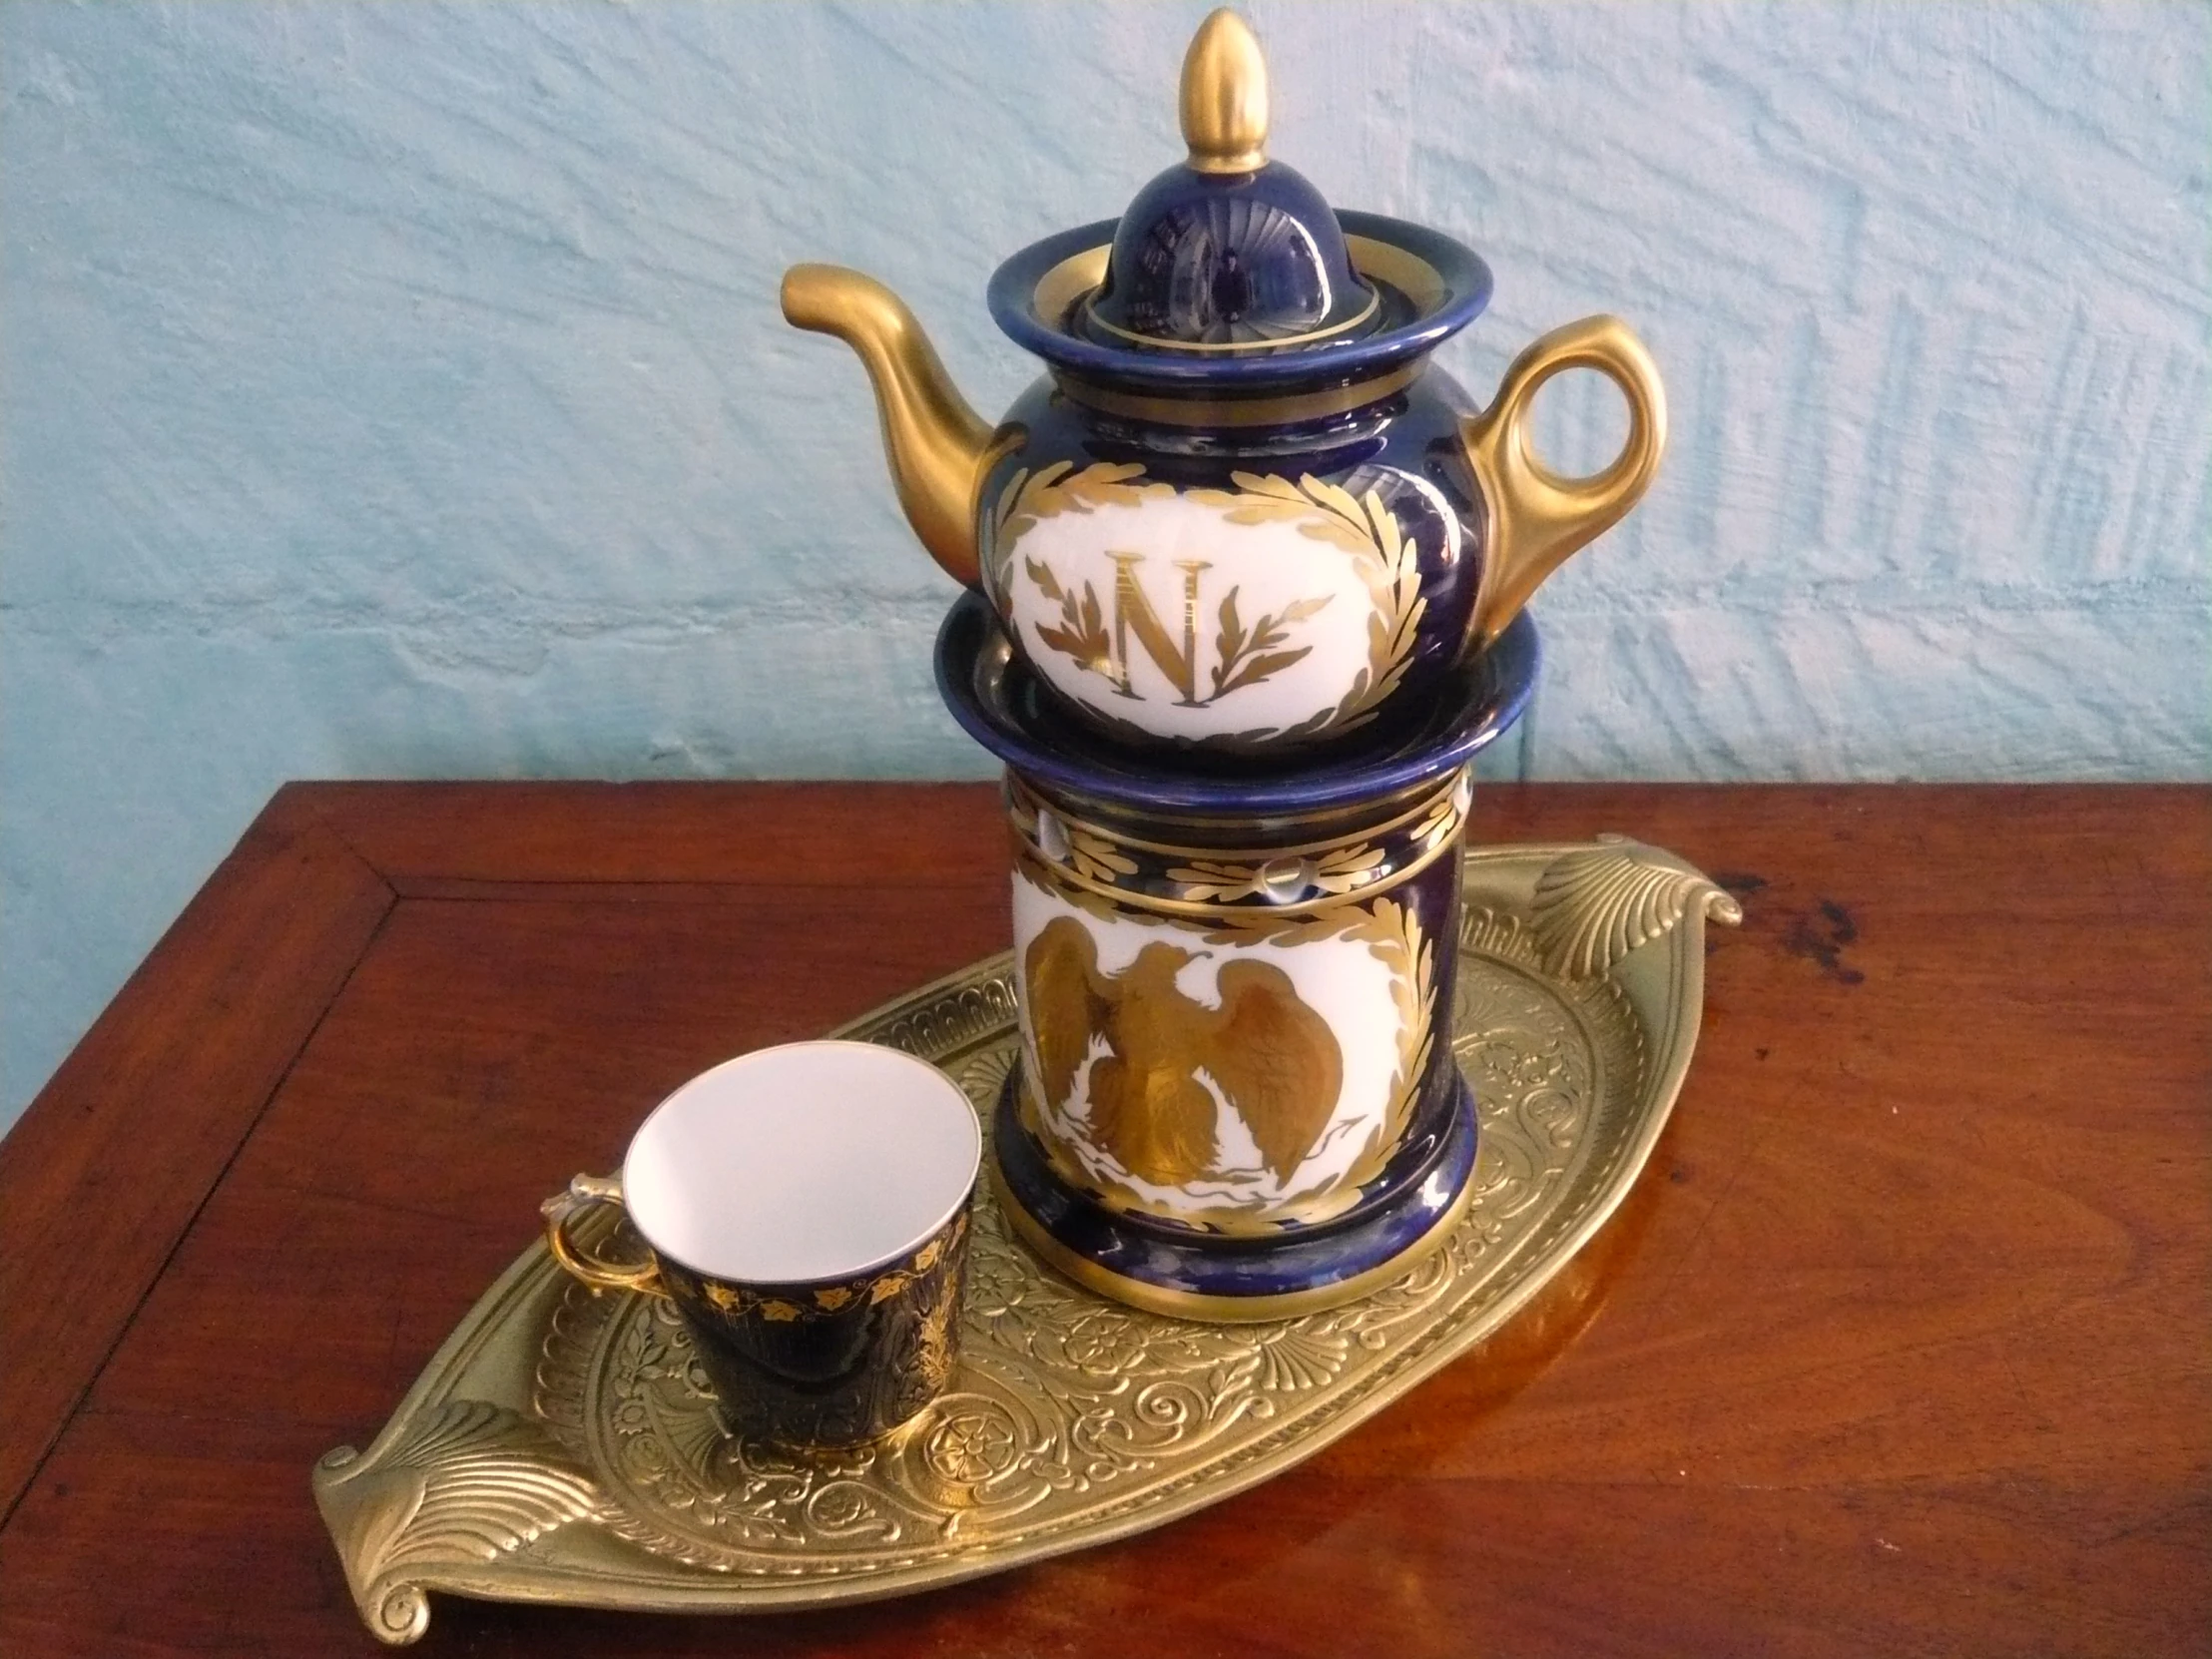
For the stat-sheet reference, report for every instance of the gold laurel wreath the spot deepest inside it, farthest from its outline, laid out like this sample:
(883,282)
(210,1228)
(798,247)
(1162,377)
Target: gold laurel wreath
(1388,561)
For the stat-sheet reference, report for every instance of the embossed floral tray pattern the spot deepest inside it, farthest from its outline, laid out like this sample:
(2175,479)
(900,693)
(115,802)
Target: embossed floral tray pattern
(560,1446)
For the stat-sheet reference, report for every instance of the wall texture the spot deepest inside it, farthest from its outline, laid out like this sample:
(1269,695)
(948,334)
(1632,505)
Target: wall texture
(398,390)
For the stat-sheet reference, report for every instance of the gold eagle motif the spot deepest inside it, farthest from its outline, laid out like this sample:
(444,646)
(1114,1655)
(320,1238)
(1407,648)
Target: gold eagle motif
(1272,1059)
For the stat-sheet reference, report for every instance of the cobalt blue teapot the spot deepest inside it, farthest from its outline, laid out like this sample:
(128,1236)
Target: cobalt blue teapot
(1241,510)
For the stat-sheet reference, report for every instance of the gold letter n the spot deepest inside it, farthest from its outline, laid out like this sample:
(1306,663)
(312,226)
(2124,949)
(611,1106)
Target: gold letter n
(1133,613)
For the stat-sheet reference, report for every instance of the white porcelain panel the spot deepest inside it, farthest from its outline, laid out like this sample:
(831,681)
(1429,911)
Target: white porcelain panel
(1165,1025)
(1210,614)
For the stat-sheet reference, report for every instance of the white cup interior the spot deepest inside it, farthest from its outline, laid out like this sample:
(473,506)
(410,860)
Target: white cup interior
(809,1161)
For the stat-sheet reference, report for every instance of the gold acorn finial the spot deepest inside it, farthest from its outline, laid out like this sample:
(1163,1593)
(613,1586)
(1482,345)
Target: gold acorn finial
(1224,97)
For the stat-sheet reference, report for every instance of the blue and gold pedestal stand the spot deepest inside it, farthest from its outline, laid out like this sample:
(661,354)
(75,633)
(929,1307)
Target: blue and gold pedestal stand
(1245,578)
(1235,1098)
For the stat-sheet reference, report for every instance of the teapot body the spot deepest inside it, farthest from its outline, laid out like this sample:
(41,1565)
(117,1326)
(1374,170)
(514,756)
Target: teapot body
(1240,511)
(1249,577)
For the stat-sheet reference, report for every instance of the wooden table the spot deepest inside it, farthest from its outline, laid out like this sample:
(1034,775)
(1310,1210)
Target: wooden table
(1905,1343)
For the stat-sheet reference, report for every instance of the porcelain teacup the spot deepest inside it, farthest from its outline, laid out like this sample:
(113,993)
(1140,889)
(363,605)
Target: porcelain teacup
(805,1211)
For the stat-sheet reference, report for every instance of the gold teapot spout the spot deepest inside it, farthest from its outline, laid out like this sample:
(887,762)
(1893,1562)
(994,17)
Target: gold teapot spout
(938,448)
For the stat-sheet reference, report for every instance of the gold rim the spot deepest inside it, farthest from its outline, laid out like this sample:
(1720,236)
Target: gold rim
(1079,276)
(1033,796)
(1214,347)
(1250,411)
(1316,822)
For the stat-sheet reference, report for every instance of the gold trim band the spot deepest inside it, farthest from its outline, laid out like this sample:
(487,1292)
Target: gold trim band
(1059,288)
(1199,909)
(1403,269)
(1030,796)
(1220,1310)
(1232,412)
(1218,347)
(1353,815)
(1079,274)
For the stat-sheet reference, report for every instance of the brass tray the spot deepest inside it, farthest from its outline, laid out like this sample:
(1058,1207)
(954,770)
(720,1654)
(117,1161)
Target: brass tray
(558,1449)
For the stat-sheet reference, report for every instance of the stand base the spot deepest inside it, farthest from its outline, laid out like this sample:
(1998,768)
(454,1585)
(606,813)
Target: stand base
(1227,1280)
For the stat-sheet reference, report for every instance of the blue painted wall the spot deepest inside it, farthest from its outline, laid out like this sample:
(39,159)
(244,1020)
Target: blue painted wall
(398,390)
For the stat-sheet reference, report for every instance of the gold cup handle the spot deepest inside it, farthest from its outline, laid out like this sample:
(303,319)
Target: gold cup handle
(1537,517)
(585,1194)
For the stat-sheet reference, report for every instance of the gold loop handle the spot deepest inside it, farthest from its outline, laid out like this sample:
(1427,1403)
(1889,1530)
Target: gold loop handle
(1537,517)
(584,1194)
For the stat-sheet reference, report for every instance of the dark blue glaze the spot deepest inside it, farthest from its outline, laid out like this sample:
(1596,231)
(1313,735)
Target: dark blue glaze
(999,702)
(792,1366)
(1196,420)
(1410,428)
(1220,259)
(1278,1265)
(1406,329)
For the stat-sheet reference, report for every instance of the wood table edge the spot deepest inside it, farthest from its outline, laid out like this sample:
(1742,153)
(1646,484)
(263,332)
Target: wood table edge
(325,825)
(87,1200)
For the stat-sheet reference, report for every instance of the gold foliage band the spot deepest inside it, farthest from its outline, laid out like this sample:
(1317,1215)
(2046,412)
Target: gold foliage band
(1092,630)
(1203,881)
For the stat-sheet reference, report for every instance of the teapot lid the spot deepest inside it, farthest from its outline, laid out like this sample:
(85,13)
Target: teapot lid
(1230,269)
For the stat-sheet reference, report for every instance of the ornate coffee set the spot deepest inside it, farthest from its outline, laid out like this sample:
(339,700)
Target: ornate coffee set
(1245,583)
(1284,1084)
